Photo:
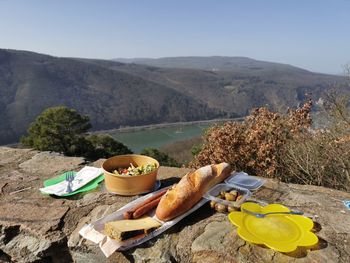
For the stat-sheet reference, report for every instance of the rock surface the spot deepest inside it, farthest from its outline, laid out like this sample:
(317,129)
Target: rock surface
(38,228)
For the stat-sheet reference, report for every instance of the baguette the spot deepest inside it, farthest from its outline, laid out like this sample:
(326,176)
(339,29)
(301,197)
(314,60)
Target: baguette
(190,189)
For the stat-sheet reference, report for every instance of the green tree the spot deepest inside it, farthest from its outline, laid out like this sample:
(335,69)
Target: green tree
(63,130)
(104,146)
(58,129)
(161,157)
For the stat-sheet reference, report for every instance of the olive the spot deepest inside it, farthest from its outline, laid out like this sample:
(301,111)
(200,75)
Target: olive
(235,193)
(222,194)
(212,204)
(220,208)
(230,197)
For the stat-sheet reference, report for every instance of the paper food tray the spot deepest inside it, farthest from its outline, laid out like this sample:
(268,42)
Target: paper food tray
(94,231)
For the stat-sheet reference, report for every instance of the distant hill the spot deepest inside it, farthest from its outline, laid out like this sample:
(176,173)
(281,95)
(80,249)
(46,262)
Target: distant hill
(234,84)
(214,63)
(117,94)
(31,82)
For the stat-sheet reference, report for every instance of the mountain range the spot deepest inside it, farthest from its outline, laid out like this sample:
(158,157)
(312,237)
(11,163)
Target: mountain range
(130,92)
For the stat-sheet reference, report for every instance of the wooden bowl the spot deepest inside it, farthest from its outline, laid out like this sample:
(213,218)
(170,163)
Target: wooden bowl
(129,185)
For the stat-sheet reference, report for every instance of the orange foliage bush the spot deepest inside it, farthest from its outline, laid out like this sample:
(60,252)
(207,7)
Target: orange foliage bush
(255,144)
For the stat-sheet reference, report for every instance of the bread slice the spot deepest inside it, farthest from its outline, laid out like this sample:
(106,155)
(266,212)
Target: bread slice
(125,229)
(190,189)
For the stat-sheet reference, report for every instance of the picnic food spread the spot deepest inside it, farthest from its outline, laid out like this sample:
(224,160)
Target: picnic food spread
(148,216)
(137,222)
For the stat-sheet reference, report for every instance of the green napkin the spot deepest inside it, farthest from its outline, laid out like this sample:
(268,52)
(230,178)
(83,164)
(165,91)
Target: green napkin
(89,186)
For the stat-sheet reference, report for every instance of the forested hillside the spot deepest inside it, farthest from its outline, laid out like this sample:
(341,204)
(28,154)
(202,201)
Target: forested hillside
(115,94)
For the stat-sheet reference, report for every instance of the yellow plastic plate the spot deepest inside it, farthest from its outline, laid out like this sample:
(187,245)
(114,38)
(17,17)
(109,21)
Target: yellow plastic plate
(283,233)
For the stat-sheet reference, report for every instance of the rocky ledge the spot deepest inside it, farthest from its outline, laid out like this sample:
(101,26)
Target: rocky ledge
(38,228)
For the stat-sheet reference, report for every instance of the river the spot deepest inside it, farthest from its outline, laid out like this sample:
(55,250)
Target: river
(158,137)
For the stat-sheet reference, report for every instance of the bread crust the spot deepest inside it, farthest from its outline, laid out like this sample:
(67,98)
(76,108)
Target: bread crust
(189,190)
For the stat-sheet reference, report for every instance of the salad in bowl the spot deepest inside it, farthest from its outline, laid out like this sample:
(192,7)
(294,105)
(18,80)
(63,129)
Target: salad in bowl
(132,170)
(130,174)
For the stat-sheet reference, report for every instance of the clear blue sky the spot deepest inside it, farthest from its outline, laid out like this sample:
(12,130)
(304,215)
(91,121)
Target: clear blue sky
(313,34)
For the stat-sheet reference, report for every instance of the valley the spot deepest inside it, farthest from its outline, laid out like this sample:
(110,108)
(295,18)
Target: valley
(116,94)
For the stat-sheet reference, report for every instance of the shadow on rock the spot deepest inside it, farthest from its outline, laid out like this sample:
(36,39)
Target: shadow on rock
(4,257)
(317,227)
(301,252)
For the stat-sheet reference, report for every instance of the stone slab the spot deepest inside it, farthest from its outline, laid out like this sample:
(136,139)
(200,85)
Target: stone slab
(39,228)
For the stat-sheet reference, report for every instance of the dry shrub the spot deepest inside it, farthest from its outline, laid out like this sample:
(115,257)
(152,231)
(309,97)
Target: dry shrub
(321,157)
(255,144)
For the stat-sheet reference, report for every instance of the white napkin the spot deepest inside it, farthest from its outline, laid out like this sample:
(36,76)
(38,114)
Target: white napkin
(81,178)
